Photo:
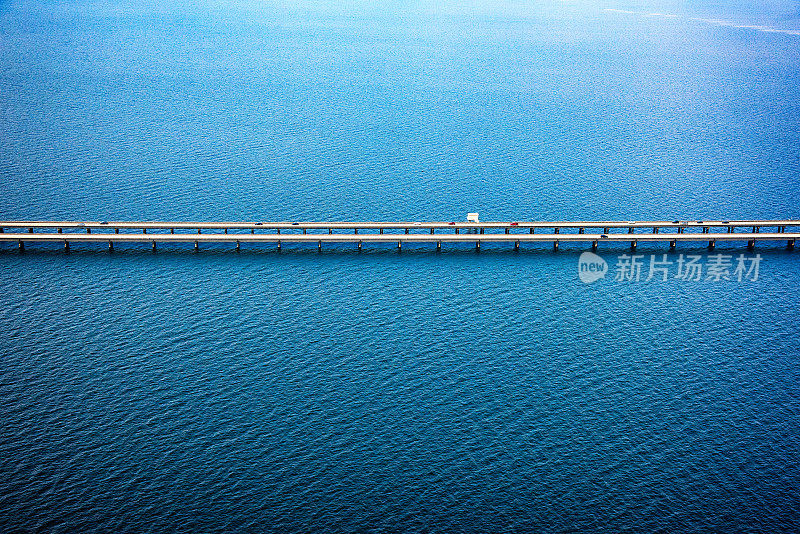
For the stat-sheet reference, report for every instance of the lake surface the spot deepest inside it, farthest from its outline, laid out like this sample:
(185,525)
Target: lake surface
(383,391)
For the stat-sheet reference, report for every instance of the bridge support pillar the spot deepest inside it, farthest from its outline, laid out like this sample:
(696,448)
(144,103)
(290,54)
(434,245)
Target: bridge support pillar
(319,246)
(594,245)
(21,246)
(711,244)
(399,246)
(790,244)
(238,246)
(672,244)
(154,246)
(66,246)
(478,246)
(359,246)
(438,246)
(751,244)
(633,245)
(196,246)
(516,245)
(279,246)
(110,246)
(580,230)
(555,246)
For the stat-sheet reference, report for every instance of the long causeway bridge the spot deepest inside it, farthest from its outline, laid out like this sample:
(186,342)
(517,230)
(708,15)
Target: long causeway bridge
(591,233)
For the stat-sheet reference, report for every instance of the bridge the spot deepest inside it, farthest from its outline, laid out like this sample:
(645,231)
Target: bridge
(514,233)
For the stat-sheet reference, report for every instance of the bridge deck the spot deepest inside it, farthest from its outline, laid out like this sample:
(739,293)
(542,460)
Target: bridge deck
(401,232)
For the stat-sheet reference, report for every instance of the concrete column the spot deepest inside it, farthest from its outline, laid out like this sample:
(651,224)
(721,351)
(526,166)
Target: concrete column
(580,230)
(359,246)
(711,244)
(399,245)
(556,230)
(790,244)
(116,231)
(59,231)
(110,246)
(21,246)
(238,246)
(279,246)
(516,245)
(634,244)
(751,244)
(438,246)
(555,246)
(594,245)
(319,246)
(196,246)
(172,230)
(478,246)
(672,244)
(66,246)
(154,246)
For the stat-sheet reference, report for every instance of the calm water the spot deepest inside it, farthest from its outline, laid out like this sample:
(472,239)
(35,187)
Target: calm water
(373,392)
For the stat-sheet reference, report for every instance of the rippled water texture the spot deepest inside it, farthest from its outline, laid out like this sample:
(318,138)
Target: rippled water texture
(383,391)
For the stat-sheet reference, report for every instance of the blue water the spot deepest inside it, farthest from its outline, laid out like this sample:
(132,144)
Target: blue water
(383,391)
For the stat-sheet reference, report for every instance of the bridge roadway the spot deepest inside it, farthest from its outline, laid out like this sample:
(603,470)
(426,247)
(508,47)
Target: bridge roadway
(593,232)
